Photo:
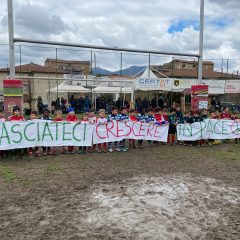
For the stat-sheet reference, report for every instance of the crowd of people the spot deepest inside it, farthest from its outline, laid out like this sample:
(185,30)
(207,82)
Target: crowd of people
(161,116)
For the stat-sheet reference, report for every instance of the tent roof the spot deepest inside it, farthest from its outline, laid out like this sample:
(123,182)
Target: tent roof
(100,89)
(69,88)
(148,73)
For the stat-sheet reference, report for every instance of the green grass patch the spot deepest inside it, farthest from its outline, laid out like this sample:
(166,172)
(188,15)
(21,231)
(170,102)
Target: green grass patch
(7,174)
(52,168)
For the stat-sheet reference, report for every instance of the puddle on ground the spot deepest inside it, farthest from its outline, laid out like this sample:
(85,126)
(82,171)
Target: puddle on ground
(168,207)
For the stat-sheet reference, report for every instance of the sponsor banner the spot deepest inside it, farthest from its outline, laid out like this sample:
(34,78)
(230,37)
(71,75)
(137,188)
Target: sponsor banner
(44,133)
(209,129)
(116,131)
(232,86)
(199,97)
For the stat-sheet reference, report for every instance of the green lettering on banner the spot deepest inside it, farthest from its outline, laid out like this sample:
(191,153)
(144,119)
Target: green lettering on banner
(215,128)
(20,134)
(209,127)
(84,134)
(46,129)
(38,132)
(188,127)
(179,132)
(74,128)
(66,133)
(25,129)
(57,123)
(202,128)
(4,131)
(223,129)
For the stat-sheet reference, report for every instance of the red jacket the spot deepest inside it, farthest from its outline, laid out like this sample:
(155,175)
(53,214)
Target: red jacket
(16,118)
(226,115)
(58,119)
(133,118)
(71,118)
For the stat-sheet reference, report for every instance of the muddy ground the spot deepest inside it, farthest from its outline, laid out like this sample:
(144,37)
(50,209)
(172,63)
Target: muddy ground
(164,192)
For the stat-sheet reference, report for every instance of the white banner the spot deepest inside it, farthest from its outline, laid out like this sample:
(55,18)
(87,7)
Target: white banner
(209,129)
(117,130)
(44,133)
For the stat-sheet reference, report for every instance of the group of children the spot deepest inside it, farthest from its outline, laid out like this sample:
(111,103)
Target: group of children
(155,116)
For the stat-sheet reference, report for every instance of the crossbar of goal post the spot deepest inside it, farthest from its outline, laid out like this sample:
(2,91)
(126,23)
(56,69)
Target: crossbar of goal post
(65,44)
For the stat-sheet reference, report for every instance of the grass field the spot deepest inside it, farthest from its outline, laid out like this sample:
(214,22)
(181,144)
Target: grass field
(160,192)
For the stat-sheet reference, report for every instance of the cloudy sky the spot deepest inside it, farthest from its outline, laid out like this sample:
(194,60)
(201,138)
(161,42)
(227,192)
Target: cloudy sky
(164,25)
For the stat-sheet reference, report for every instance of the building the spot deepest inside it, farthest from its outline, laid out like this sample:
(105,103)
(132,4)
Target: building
(189,69)
(68,66)
(43,78)
(185,64)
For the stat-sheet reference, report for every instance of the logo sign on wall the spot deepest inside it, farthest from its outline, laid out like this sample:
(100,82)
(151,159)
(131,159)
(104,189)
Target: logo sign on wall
(199,97)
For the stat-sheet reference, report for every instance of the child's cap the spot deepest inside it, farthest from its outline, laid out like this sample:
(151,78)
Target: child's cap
(16,108)
(71,109)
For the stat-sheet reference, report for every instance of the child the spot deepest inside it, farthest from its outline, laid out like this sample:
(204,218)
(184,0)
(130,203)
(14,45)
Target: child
(179,115)
(187,120)
(141,118)
(33,116)
(235,117)
(92,120)
(83,150)
(159,116)
(214,116)
(71,117)
(46,113)
(111,117)
(203,116)
(226,114)
(123,117)
(133,118)
(102,120)
(17,116)
(172,119)
(151,120)
(58,118)
(196,118)
(165,114)
(179,120)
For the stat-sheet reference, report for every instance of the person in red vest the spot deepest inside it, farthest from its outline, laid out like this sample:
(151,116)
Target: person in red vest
(226,114)
(17,116)
(71,117)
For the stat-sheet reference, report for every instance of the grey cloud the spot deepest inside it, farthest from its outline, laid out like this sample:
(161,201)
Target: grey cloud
(35,19)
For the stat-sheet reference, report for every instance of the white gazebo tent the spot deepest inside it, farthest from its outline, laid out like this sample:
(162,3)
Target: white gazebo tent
(113,90)
(64,88)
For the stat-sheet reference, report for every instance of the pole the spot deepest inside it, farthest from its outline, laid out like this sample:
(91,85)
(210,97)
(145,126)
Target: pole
(91,62)
(95,64)
(121,64)
(227,67)
(11,40)
(149,65)
(20,59)
(57,69)
(200,70)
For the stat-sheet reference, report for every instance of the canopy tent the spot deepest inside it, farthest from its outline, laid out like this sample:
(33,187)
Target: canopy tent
(148,81)
(113,90)
(64,88)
